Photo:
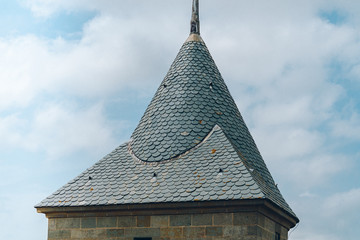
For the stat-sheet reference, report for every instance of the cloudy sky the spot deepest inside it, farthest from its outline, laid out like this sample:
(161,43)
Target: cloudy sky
(77,75)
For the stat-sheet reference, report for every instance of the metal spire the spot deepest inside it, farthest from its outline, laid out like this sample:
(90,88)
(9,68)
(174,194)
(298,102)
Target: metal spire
(195,22)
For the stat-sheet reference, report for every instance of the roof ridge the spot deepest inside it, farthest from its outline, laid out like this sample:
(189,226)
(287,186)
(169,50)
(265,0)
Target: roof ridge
(267,187)
(262,183)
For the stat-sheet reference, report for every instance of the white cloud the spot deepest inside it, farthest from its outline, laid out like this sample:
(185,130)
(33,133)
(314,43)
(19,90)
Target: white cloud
(61,130)
(109,57)
(297,112)
(9,127)
(282,144)
(105,62)
(341,204)
(297,235)
(347,128)
(21,205)
(315,170)
(20,76)
(327,217)
(307,195)
(45,8)
(142,8)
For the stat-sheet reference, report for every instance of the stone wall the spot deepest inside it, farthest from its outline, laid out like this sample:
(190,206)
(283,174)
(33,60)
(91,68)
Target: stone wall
(240,226)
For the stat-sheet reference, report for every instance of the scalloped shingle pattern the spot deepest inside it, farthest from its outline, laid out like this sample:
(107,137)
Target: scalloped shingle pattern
(190,101)
(120,179)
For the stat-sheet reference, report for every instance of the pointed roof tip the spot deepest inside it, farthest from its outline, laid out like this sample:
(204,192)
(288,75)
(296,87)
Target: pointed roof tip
(195,20)
(194,38)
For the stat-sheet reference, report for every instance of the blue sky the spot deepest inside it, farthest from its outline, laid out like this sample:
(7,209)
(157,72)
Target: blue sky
(76,77)
(17,20)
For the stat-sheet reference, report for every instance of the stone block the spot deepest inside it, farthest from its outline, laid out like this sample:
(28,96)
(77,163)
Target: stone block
(126,221)
(194,232)
(114,233)
(106,222)
(172,232)
(278,228)
(254,231)
(269,225)
(52,224)
(142,232)
(201,220)
(143,221)
(88,222)
(67,223)
(214,231)
(261,220)
(234,231)
(244,218)
(159,221)
(223,219)
(267,235)
(284,232)
(88,234)
(251,238)
(59,234)
(180,220)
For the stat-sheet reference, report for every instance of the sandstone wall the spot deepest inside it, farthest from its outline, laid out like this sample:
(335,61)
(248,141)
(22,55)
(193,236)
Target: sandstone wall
(240,226)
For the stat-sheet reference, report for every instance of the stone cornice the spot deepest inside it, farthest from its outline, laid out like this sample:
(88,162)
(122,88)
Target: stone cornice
(262,206)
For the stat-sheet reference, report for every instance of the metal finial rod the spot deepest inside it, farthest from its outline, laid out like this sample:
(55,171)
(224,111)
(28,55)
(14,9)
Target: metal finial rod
(195,21)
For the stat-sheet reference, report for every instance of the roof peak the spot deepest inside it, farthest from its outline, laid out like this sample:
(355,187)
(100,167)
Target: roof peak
(195,20)
(194,38)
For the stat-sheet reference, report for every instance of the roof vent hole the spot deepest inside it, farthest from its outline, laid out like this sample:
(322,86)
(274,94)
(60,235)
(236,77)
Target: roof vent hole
(211,85)
(220,170)
(90,178)
(154,178)
(164,85)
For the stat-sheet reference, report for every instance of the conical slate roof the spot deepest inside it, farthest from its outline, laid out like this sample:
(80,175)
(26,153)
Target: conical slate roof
(190,101)
(191,145)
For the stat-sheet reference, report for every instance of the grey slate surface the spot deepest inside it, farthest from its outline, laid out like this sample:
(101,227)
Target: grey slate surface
(191,105)
(196,176)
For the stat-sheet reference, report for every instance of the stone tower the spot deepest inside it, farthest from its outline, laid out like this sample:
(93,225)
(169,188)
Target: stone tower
(191,169)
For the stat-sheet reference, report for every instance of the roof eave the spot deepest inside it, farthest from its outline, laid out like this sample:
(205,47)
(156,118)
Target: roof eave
(263,206)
